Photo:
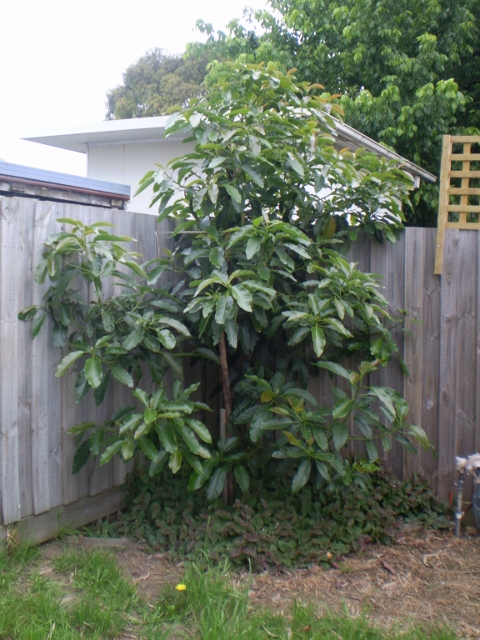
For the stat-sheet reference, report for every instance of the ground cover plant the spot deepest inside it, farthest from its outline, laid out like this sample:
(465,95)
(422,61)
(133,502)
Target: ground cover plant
(75,593)
(264,207)
(268,527)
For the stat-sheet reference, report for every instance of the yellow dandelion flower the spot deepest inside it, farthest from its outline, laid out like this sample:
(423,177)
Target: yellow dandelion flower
(181,587)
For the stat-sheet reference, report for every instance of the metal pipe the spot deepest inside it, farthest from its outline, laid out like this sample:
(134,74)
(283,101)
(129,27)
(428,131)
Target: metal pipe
(458,511)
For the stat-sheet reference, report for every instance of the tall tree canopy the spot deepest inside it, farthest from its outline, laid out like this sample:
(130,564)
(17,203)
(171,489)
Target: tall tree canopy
(406,71)
(156,83)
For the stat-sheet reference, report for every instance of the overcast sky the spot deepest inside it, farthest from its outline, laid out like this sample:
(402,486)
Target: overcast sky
(58,59)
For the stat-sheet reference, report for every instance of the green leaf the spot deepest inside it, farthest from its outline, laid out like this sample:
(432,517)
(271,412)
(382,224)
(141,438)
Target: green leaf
(301,393)
(213,191)
(267,396)
(110,451)
(158,463)
(301,477)
(149,415)
(200,429)
(179,326)
(121,375)
(59,335)
(136,268)
(371,451)
(221,307)
(339,435)
(242,477)
(320,437)
(81,457)
(175,461)
(253,245)
(81,427)
(209,354)
(239,235)
(96,441)
(167,339)
(342,408)
(40,272)
(141,395)
(231,331)
(37,325)
(128,448)
(108,321)
(28,313)
(154,274)
(406,444)
(335,368)
(166,437)
(385,399)
(216,257)
(295,165)
(318,339)
(67,362)
(132,340)
(233,192)
(93,372)
(148,448)
(216,484)
(243,297)
(420,435)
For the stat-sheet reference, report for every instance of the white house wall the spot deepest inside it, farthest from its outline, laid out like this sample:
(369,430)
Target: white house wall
(128,163)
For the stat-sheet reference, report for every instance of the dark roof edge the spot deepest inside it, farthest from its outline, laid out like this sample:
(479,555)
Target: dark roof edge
(64,181)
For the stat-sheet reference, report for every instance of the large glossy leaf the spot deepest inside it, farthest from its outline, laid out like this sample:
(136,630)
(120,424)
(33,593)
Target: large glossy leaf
(132,340)
(242,477)
(243,297)
(339,435)
(301,477)
(93,371)
(200,429)
(342,408)
(81,456)
(175,461)
(67,362)
(122,375)
(110,451)
(216,484)
(318,339)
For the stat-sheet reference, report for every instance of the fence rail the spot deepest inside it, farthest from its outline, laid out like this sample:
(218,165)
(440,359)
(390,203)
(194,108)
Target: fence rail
(36,409)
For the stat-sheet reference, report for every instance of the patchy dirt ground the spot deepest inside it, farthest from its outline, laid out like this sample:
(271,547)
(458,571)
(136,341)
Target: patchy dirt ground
(424,577)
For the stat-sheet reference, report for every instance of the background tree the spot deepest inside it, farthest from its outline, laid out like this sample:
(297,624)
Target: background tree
(407,71)
(156,83)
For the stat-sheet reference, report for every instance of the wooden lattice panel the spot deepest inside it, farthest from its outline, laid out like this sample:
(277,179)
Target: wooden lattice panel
(459,204)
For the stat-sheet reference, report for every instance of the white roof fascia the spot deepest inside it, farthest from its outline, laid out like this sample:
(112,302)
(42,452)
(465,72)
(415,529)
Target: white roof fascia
(142,130)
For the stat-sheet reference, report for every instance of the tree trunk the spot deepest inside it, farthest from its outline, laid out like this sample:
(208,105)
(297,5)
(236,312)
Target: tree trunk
(227,399)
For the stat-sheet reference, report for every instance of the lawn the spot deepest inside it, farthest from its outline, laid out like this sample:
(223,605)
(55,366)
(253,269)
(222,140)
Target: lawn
(68,591)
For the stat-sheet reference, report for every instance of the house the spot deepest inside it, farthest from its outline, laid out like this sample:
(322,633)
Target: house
(124,150)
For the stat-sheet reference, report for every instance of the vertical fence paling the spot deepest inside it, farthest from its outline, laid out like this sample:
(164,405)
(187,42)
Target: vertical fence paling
(36,409)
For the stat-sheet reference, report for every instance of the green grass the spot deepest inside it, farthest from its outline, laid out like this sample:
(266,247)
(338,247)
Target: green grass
(87,596)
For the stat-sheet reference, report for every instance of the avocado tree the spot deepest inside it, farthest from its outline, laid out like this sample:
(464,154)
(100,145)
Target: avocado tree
(264,209)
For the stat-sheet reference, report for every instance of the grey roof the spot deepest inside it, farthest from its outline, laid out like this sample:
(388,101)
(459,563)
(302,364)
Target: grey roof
(64,181)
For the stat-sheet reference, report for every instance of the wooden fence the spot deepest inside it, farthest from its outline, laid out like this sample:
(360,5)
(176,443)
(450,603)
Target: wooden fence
(37,489)
(439,342)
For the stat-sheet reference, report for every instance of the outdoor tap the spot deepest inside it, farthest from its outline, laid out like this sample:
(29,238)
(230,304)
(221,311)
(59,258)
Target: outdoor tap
(471,466)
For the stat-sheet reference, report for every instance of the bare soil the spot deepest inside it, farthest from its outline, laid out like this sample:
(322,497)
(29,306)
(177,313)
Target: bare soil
(424,577)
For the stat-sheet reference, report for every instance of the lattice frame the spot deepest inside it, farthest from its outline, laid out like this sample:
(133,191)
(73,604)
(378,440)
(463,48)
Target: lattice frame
(455,208)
